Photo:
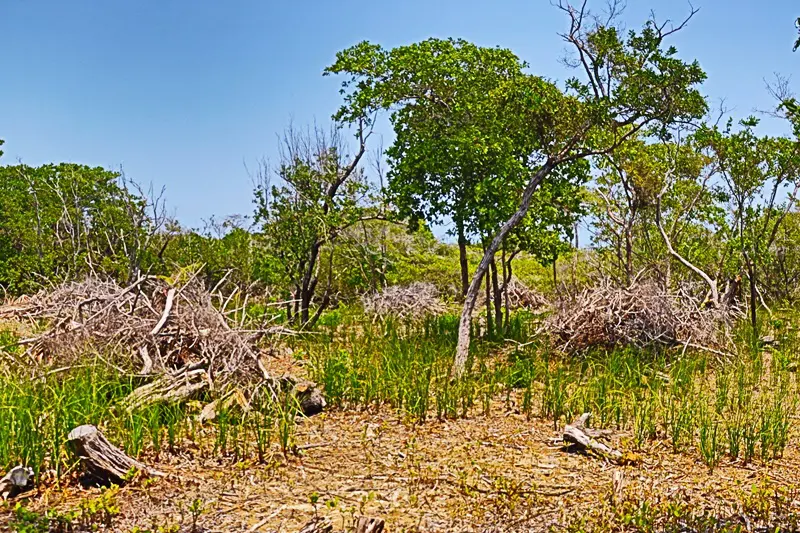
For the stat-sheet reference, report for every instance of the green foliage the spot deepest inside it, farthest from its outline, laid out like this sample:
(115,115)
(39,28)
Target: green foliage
(460,153)
(797,42)
(58,222)
(321,193)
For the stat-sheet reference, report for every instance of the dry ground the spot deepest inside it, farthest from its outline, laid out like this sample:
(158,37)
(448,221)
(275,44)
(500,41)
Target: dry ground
(487,473)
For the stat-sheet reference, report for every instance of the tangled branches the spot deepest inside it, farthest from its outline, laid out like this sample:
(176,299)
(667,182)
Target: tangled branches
(643,315)
(414,301)
(152,326)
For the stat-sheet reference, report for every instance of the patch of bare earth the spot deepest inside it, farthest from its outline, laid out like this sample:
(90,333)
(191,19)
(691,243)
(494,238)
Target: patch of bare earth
(486,473)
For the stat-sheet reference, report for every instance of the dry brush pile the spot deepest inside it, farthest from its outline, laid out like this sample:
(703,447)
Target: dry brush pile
(408,302)
(168,333)
(642,315)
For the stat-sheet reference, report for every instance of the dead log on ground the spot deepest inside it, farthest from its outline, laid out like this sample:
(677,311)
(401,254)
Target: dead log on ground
(17,480)
(101,460)
(318,524)
(585,439)
(368,524)
(168,388)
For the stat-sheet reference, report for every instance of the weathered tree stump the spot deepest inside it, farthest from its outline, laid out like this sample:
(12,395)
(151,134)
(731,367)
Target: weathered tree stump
(318,524)
(368,524)
(101,460)
(17,480)
(584,439)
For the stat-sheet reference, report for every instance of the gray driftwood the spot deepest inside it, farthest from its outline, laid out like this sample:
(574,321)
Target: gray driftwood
(15,481)
(101,460)
(585,439)
(367,524)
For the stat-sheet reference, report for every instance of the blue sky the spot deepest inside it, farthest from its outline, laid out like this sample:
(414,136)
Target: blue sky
(184,94)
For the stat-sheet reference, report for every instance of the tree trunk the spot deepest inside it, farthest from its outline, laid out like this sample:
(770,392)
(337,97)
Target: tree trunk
(489,319)
(506,282)
(462,259)
(462,349)
(498,299)
(309,284)
(753,295)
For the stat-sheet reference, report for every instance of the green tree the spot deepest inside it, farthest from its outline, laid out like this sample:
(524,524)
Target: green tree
(754,171)
(321,192)
(449,143)
(632,85)
(59,222)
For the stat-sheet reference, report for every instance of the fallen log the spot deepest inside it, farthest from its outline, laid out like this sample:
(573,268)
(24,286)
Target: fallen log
(102,461)
(585,439)
(318,524)
(368,524)
(17,480)
(168,388)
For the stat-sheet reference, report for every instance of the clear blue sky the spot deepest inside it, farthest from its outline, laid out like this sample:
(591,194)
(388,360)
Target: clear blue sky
(184,93)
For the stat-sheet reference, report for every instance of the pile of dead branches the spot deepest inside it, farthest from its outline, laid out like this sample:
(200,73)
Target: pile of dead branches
(151,325)
(169,333)
(520,296)
(643,315)
(408,302)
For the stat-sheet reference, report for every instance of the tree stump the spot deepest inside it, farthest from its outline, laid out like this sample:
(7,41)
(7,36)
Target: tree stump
(368,524)
(317,525)
(101,460)
(17,480)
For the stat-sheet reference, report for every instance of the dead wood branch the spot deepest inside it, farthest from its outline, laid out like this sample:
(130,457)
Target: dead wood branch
(318,525)
(368,524)
(165,314)
(102,461)
(585,439)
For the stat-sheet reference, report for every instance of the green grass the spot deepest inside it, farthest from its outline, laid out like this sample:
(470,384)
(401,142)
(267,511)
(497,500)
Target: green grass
(739,409)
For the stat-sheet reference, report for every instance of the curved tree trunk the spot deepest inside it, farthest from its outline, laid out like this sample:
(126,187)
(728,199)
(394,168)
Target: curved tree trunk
(462,349)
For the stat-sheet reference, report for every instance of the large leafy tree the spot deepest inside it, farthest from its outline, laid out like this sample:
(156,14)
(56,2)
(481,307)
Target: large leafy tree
(631,84)
(450,144)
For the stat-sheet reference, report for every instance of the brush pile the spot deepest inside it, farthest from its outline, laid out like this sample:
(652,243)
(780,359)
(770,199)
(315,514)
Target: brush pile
(168,332)
(643,315)
(520,296)
(407,302)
